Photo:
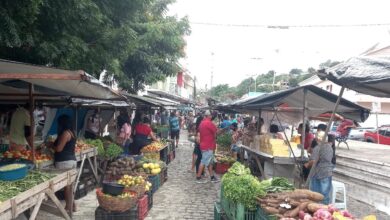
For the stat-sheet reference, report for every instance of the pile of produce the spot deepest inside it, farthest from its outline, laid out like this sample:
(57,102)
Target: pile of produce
(113,151)
(122,166)
(11,167)
(153,147)
(96,143)
(81,146)
(277,184)
(124,195)
(224,141)
(27,154)
(129,181)
(300,204)
(10,189)
(149,166)
(225,159)
(240,186)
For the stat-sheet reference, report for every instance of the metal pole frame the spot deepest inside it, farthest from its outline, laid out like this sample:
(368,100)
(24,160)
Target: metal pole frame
(333,113)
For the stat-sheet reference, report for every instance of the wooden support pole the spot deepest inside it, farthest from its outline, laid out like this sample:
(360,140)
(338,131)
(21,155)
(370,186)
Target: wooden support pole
(32,124)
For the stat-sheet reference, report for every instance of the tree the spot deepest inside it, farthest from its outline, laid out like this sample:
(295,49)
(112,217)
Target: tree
(328,64)
(296,72)
(219,90)
(95,35)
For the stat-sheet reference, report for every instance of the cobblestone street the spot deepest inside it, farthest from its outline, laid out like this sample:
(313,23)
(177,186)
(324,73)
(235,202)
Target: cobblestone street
(181,197)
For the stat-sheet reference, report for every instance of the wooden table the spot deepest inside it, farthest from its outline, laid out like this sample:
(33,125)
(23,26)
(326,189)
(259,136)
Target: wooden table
(271,166)
(82,156)
(34,197)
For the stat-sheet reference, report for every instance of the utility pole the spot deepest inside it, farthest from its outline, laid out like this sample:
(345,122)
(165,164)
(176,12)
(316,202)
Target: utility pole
(212,70)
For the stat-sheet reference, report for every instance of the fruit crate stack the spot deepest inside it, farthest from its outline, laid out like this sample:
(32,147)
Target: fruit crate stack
(143,208)
(155,181)
(101,214)
(163,176)
(150,199)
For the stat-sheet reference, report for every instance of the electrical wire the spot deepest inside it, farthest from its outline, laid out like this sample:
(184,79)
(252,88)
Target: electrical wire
(290,26)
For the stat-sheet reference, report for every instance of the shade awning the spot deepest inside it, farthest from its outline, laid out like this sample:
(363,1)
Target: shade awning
(99,103)
(291,101)
(15,78)
(368,75)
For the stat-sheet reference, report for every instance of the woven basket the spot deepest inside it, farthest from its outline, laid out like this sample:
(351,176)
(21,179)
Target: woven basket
(115,204)
(140,189)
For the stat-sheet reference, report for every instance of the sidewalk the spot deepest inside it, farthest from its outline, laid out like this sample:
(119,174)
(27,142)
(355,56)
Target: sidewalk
(181,197)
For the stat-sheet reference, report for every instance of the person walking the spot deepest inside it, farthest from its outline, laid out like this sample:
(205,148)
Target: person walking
(174,127)
(207,134)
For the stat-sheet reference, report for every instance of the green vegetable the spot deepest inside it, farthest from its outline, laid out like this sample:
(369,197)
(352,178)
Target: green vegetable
(96,143)
(113,151)
(238,169)
(240,186)
(10,189)
(279,184)
(224,140)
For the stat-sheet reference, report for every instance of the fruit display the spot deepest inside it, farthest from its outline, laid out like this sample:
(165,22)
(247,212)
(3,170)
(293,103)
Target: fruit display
(27,155)
(149,168)
(81,146)
(129,181)
(153,147)
(225,159)
(11,167)
(124,195)
(148,186)
(122,166)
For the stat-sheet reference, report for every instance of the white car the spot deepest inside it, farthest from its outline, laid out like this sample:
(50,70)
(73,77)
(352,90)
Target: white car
(358,133)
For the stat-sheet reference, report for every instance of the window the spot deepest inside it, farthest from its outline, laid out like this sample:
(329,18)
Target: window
(329,88)
(382,132)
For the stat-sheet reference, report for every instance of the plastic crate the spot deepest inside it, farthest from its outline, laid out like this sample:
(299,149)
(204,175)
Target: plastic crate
(164,155)
(221,168)
(155,181)
(101,214)
(235,211)
(218,213)
(163,175)
(171,156)
(4,148)
(261,215)
(143,207)
(150,199)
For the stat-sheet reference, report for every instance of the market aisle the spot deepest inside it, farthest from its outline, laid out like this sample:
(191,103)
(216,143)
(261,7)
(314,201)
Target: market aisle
(181,197)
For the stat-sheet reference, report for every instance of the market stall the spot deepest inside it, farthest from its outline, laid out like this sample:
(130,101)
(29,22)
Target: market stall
(24,83)
(291,106)
(37,187)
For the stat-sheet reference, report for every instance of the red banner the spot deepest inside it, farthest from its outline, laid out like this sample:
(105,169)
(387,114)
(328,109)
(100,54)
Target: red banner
(180,82)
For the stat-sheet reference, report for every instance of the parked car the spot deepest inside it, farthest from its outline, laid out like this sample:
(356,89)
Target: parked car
(358,133)
(383,134)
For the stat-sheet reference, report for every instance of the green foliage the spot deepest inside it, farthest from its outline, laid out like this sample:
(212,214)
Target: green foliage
(240,186)
(133,40)
(224,140)
(96,143)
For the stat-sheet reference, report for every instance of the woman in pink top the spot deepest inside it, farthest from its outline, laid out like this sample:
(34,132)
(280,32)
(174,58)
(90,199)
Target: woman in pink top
(309,137)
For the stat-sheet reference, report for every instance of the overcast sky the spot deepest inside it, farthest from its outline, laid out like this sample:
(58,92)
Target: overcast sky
(243,51)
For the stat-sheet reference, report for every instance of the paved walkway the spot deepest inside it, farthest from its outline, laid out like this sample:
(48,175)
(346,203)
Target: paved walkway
(181,197)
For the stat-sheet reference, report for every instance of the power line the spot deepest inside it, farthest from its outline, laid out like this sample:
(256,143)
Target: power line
(289,26)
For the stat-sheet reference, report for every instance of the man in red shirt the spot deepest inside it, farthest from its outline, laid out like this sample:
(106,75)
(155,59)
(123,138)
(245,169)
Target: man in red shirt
(208,134)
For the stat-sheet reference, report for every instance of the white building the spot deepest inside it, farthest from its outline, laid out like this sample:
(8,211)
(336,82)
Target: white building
(182,85)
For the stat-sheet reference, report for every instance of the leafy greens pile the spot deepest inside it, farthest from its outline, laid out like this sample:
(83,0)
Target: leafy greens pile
(240,186)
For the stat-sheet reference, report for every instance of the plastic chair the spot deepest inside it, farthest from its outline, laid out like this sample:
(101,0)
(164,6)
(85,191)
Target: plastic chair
(340,201)
(344,139)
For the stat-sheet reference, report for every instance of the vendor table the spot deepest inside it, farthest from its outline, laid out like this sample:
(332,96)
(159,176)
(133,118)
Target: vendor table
(34,197)
(87,155)
(273,165)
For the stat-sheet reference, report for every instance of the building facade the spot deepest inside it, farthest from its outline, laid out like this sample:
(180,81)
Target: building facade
(182,85)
